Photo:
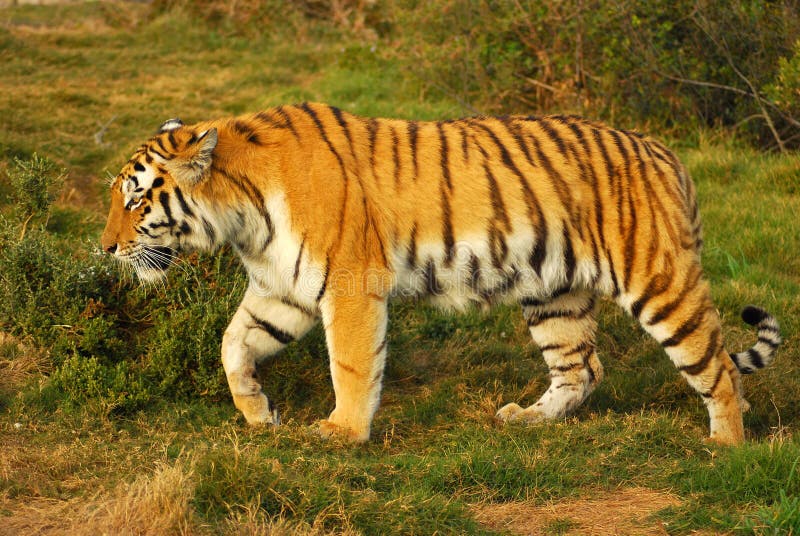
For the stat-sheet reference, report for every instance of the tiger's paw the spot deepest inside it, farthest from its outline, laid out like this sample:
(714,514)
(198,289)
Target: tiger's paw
(515,413)
(720,440)
(328,429)
(257,410)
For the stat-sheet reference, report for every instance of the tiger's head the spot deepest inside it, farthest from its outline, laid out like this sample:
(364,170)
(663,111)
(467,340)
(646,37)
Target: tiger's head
(152,215)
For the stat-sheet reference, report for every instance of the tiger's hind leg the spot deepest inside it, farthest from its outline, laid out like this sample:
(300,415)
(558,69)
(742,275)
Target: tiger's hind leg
(564,329)
(688,328)
(260,328)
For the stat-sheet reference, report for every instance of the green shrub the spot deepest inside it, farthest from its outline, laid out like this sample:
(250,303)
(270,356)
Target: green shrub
(676,65)
(114,388)
(35,183)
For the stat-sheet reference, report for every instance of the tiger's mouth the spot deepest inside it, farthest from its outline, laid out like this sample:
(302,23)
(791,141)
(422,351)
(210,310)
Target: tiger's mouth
(151,262)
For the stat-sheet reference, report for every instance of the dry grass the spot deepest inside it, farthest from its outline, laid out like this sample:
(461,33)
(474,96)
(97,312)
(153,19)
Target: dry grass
(625,511)
(157,504)
(19,362)
(252,522)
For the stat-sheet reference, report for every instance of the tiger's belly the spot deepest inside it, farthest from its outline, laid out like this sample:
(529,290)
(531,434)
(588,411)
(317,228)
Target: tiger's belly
(479,273)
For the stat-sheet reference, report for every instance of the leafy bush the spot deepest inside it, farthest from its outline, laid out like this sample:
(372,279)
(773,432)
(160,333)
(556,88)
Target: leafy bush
(35,183)
(98,329)
(672,65)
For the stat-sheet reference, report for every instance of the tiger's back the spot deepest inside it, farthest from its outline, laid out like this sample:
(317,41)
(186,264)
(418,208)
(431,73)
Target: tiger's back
(333,213)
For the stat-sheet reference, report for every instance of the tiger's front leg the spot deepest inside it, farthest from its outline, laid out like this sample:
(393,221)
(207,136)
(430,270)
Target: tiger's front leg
(355,332)
(261,327)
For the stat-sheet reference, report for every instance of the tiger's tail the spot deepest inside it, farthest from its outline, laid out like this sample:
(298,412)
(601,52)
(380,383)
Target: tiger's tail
(762,352)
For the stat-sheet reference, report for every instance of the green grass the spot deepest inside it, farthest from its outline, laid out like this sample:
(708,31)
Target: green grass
(136,385)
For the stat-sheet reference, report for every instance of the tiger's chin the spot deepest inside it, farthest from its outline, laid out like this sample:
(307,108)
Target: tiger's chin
(151,275)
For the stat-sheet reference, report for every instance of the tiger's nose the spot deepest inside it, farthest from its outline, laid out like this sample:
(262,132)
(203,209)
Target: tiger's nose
(111,249)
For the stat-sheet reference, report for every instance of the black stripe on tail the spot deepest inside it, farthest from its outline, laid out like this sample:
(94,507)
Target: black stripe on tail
(769,338)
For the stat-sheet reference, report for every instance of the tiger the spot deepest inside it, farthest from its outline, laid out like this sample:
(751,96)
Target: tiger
(333,214)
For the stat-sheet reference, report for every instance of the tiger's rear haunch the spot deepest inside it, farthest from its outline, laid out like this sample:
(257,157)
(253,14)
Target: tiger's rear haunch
(332,214)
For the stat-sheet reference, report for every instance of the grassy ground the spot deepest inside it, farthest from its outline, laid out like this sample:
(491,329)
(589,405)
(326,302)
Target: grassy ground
(84,84)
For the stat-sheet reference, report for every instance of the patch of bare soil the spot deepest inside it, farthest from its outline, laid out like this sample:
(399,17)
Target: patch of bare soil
(618,513)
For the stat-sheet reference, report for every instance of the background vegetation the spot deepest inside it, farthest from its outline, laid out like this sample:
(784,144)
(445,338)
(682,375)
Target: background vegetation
(115,413)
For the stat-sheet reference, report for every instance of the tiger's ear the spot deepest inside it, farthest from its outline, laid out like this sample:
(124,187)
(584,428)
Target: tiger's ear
(191,164)
(170,124)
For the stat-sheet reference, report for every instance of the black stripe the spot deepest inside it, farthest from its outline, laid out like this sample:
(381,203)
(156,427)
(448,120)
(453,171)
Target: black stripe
(413,128)
(586,355)
(538,255)
(372,132)
(138,167)
(769,342)
(497,246)
(288,120)
(444,156)
(382,247)
(577,131)
(516,133)
(710,392)
(711,350)
(687,328)
(558,182)
(160,143)
(182,202)
(395,156)
(474,272)
(431,283)
(209,230)
(627,230)
(447,229)
(538,317)
(337,113)
(567,368)
(755,358)
(498,207)
(324,280)
(569,256)
(296,273)
(508,282)
(275,332)
(315,118)
(289,302)
(658,285)
(598,139)
(157,182)
(553,135)
(163,198)
(529,301)
(549,347)
(244,130)
(666,311)
(654,242)
(464,143)
(771,329)
(411,258)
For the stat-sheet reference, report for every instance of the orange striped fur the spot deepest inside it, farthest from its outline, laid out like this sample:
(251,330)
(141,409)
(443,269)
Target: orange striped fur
(332,214)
